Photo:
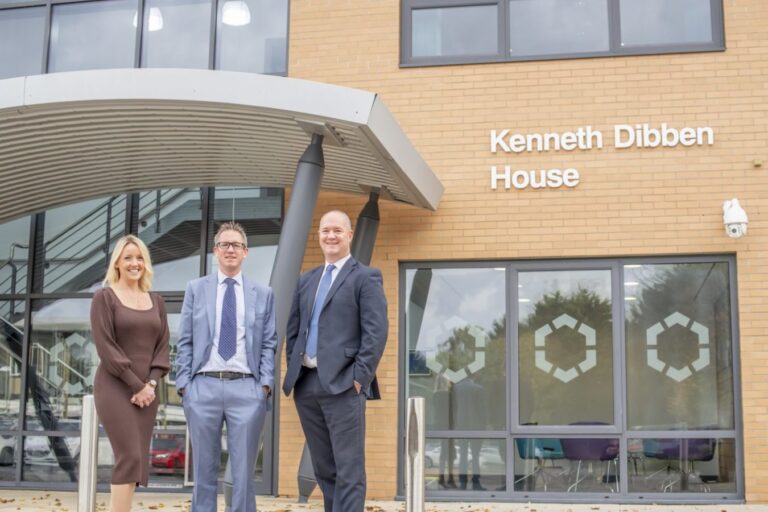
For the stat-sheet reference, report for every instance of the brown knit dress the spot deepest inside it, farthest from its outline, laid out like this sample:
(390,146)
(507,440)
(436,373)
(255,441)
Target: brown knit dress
(133,348)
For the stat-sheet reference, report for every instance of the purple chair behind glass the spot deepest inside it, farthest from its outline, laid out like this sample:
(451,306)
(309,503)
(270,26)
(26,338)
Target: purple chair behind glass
(685,451)
(603,450)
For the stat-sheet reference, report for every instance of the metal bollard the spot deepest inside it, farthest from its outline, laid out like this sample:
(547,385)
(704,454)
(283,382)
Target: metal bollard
(414,452)
(89,444)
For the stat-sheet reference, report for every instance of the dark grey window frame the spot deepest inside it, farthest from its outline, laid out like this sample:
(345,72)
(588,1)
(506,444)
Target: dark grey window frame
(34,293)
(618,430)
(49,4)
(614,29)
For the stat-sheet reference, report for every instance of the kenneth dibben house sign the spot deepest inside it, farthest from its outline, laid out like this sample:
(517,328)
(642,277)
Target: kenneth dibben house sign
(584,138)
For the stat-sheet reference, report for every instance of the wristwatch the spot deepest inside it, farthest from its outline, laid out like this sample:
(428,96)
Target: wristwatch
(152,382)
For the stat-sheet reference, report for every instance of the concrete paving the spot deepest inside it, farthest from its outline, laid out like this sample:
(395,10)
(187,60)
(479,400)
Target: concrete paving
(45,501)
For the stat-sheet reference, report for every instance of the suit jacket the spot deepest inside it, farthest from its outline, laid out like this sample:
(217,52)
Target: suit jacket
(352,329)
(198,321)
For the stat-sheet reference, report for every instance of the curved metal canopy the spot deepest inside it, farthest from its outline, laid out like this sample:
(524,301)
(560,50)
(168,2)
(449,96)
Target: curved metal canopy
(65,137)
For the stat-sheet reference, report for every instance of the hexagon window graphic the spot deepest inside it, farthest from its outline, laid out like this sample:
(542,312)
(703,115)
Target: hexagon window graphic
(477,364)
(56,365)
(540,342)
(652,353)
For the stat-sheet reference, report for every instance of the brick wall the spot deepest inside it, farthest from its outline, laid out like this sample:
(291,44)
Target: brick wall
(635,201)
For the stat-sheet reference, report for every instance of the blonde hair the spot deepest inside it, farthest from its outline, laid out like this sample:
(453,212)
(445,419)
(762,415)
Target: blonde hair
(113,275)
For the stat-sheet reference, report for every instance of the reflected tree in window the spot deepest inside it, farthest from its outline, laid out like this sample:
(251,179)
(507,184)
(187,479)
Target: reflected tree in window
(566,360)
(679,363)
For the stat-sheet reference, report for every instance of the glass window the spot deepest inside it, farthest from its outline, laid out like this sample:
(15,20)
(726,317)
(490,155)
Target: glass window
(678,344)
(169,224)
(176,34)
(21,41)
(63,363)
(259,211)
(658,22)
(456,32)
(700,465)
(8,449)
(50,459)
(565,347)
(11,350)
(93,35)
(452,31)
(170,413)
(78,240)
(567,465)
(456,339)
(14,250)
(251,35)
(465,464)
(543,27)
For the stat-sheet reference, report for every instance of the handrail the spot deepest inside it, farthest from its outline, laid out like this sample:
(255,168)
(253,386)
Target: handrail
(62,363)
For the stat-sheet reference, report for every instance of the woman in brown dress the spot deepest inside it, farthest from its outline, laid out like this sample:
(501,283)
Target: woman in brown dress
(130,330)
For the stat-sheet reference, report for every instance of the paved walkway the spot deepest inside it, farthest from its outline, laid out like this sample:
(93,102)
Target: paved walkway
(43,501)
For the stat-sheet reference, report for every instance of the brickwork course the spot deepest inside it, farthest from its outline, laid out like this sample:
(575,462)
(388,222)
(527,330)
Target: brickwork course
(629,202)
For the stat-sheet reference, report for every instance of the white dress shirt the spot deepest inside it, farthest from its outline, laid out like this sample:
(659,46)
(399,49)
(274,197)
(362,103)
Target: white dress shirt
(238,362)
(311,362)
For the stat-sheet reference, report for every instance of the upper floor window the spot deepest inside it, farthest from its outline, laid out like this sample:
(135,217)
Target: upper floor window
(69,35)
(438,32)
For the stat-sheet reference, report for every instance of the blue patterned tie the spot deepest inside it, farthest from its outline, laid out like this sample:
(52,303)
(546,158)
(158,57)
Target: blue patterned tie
(228,330)
(322,293)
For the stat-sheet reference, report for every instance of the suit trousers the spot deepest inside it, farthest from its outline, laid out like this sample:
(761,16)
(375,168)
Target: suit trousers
(208,403)
(334,426)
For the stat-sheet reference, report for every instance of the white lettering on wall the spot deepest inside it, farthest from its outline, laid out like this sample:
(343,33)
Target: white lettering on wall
(543,178)
(641,135)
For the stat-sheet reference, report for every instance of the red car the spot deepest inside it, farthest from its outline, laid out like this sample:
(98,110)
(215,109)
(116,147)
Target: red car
(167,455)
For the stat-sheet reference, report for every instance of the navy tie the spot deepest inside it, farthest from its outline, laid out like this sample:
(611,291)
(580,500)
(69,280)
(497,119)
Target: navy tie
(228,330)
(322,293)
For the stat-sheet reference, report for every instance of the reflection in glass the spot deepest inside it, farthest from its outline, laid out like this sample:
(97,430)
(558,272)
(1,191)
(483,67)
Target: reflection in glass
(456,332)
(167,456)
(63,364)
(21,41)
(679,348)
(700,465)
(465,464)
(259,211)
(14,249)
(565,347)
(170,413)
(169,224)
(251,36)
(92,35)
(545,27)
(656,22)
(78,239)
(11,350)
(567,465)
(50,459)
(176,34)
(8,450)
(451,31)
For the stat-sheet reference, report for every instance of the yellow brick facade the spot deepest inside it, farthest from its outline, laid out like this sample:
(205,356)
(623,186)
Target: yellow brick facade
(630,202)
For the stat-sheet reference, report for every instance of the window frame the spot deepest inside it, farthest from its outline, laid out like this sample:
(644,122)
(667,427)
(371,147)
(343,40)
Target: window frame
(619,430)
(614,34)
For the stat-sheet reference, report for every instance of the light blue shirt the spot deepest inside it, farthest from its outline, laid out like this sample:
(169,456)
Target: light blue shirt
(311,362)
(238,362)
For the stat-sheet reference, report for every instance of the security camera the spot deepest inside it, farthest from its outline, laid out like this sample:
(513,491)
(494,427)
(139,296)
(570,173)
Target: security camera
(735,219)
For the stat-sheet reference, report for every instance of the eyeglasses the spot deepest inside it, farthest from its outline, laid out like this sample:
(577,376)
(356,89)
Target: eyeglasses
(226,245)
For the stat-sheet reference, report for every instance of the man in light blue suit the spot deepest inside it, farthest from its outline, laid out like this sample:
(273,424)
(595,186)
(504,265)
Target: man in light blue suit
(225,370)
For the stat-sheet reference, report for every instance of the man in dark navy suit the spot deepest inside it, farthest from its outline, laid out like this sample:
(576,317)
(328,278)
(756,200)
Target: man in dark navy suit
(336,334)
